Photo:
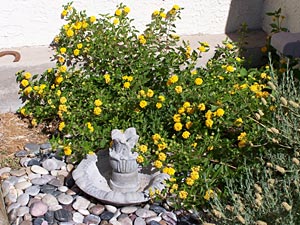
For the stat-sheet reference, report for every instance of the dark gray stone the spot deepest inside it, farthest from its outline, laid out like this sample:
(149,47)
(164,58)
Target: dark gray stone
(56,182)
(106,215)
(38,221)
(157,209)
(49,217)
(48,189)
(46,146)
(33,162)
(92,219)
(32,148)
(21,153)
(153,222)
(63,215)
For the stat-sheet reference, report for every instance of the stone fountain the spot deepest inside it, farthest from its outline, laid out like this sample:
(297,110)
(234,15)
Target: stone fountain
(114,176)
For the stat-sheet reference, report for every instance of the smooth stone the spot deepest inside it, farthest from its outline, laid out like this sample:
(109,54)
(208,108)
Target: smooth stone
(50,200)
(11,197)
(63,215)
(56,182)
(145,213)
(39,170)
(70,182)
(111,208)
(157,209)
(45,146)
(129,209)
(125,220)
(34,162)
(84,212)
(77,217)
(22,211)
(24,161)
(63,173)
(92,219)
(106,215)
(115,222)
(48,189)
(12,216)
(38,221)
(23,199)
(117,214)
(33,190)
(18,173)
(28,217)
(81,203)
(50,164)
(5,170)
(97,209)
(49,217)
(13,206)
(155,218)
(53,173)
(70,167)
(23,185)
(32,176)
(55,207)
(38,209)
(48,177)
(139,221)
(104,222)
(33,200)
(6,187)
(13,180)
(169,217)
(63,189)
(65,199)
(153,222)
(61,164)
(21,153)
(70,192)
(39,181)
(33,148)
(26,222)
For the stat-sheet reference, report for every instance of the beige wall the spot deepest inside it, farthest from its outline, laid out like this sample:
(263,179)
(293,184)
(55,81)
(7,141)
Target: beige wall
(290,9)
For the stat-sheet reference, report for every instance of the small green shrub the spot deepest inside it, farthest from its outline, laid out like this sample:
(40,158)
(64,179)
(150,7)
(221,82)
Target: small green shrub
(194,123)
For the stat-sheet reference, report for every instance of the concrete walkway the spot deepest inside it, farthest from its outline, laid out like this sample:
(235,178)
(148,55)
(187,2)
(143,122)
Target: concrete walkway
(37,59)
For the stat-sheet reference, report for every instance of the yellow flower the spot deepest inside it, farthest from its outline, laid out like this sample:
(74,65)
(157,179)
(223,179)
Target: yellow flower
(189,181)
(126,85)
(158,105)
(79,46)
(181,110)
(183,194)
(155,13)
(264,49)
(176,118)
(163,15)
(27,75)
(186,134)
(142,93)
(62,100)
(61,126)
(242,143)
(97,102)
(169,170)
(24,83)
(156,137)
(220,112)
(176,7)
(116,21)
(67,150)
(209,123)
(92,19)
(198,81)
(210,148)
(178,89)
(188,125)
(230,69)
(229,46)
(263,75)
(173,79)
(23,111)
(202,48)
(126,9)
(76,52)
(238,59)
(27,90)
(186,104)
(158,164)
(118,12)
(62,69)
(201,107)
(209,194)
(70,33)
(143,148)
(196,169)
(143,104)
(162,156)
(150,93)
(62,108)
(61,59)
(161,98)
(58,93)
(140,159)
(208,114)
(97,111)
(177,126)
(142,39)
(242,136)
(64,13)
(238,122)
(58,80)
(90,127)
(107,78)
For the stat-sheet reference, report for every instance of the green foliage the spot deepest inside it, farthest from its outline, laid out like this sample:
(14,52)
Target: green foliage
(194,123)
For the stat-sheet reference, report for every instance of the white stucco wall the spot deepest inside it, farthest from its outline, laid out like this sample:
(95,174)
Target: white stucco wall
(290,9)
(36,22)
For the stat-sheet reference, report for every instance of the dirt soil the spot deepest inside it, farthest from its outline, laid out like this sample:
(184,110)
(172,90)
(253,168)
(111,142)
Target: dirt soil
(14,134)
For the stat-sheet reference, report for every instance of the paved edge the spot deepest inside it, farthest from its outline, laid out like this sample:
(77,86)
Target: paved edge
(3,214)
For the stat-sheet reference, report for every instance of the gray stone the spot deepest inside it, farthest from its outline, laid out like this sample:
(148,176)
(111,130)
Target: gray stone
(6,186)
(139,221)
(39,170)
(63,215)
(26,222)
(169,217)
(38,209)
(55,207)
(50,164)
(125,220)
(23,199)
(39,221)
(70,167)
(65,199)
(18,173)
(114,222)
(97,209)
(33,162)
(153,222)
(92,219)
(13,206)
(111,208)
(49,200)
(84,212)
(32,148)
(63,189)
(77,217)
(49,217)
(23,185)
(5,170)
(39,181)
(33,190)
(13,180)
(22,211)
(46,146)
(128,209)
(21,153)
(56,182)
(157,209)
(106,215)
(12,216)
(48,189)
(155,218)
(145,213)
(81,203)
(11,197)
(24,161)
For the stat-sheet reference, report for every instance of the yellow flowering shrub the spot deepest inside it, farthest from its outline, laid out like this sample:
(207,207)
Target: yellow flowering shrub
(189,118)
